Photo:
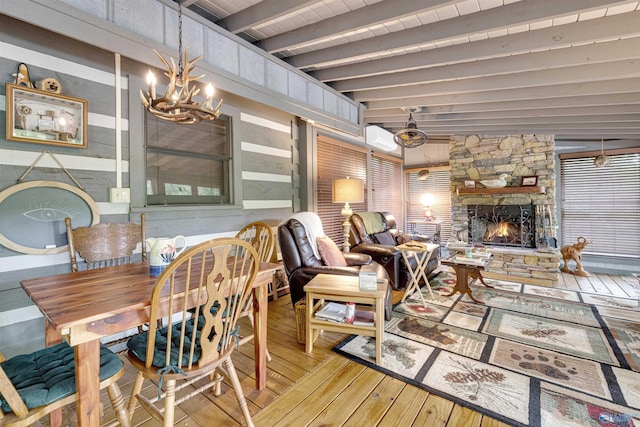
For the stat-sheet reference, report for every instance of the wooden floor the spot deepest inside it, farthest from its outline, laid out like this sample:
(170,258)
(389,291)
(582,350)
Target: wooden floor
(325,389)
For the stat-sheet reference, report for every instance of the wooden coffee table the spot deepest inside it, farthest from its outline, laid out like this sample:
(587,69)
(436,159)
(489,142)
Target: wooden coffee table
(332,287)
(465,269)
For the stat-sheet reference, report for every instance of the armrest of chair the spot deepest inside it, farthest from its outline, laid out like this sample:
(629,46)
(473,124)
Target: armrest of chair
(325,269)
(357,259)
(377,250)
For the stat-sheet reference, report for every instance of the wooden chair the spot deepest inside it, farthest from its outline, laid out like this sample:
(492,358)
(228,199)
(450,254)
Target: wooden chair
(105,244)
(215,277)
(259,235)
(34,385)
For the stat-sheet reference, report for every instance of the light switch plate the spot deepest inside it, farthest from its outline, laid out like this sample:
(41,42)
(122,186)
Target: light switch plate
(119,195)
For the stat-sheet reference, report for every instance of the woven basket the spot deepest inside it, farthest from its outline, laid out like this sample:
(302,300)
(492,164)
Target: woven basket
(301,315)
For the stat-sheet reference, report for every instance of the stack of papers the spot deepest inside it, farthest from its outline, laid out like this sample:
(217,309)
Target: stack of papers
(332,311)
(474,260)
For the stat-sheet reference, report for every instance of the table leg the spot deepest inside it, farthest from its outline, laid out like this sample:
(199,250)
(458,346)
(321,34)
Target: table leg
(413,285)
(462,283)
(379,329)
(51,338)
(422,267)
(476,275)
(260,306)
(87,358)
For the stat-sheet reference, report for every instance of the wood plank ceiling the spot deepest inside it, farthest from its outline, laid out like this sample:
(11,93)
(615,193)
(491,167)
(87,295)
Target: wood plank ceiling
(569,68)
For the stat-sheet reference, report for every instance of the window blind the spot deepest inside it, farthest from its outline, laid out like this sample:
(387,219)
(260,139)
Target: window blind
(437,184)
(337,160)
(386,184)
(602,204)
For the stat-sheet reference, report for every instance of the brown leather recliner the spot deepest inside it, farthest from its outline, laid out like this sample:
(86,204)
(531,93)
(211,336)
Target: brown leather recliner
(381,245)
(301,265)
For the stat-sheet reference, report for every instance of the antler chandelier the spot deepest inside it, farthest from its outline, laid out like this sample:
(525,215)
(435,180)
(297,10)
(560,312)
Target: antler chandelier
(177,104)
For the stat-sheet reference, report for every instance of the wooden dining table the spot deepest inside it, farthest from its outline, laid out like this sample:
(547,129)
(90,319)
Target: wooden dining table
(85,306)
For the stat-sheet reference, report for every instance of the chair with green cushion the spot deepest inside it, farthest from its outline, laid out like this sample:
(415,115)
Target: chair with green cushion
(33,385)
(210,282)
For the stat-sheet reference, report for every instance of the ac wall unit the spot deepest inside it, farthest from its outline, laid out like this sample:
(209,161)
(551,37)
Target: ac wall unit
(379,138)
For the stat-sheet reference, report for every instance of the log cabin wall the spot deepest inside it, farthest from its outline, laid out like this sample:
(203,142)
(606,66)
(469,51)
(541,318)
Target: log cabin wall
(265,161)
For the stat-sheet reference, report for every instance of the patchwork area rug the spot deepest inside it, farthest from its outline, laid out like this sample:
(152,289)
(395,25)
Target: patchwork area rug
(529,356)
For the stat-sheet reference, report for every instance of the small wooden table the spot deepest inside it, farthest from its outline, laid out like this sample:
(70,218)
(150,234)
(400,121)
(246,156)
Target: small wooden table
(437,223)
(466,269)
(421,252)
(85,306)
(334,287)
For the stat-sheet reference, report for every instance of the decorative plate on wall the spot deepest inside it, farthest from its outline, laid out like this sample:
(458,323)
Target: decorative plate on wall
(33,215)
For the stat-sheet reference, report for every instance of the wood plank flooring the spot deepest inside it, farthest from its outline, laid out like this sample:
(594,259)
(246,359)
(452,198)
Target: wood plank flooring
(325,389)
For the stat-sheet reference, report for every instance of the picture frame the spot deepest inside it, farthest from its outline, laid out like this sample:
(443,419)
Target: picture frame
(529,181)
(469,184)
(41,117)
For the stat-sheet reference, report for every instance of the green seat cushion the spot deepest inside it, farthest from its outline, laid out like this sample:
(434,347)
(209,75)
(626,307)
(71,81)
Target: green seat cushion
(138,344)
(48,375)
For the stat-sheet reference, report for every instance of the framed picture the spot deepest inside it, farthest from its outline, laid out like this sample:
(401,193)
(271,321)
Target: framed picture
(45,118)
(529,181)
(469,184)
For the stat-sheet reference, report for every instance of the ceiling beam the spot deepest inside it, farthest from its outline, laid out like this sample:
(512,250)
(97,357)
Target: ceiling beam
(398,115)
(519,13)
(575,78)
(260,13)
(375,14)
(553,96)
(567,35)
(498,120)
(557,58)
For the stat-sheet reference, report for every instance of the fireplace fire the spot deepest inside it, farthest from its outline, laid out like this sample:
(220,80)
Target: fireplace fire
(502,225)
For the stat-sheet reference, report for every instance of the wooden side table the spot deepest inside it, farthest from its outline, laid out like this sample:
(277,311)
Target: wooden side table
(421,252)
(437,223)
(466,269)
(334,287)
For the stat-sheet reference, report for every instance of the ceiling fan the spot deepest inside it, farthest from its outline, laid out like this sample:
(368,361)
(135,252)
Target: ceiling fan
(410,136)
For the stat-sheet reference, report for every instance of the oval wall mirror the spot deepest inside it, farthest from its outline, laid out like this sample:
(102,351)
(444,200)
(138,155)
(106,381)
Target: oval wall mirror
(33,215)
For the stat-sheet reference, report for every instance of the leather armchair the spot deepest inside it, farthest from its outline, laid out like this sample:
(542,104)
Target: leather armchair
(381,247)
(301,264)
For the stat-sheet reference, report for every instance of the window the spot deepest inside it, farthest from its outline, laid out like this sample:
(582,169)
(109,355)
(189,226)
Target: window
(386,182)
(602,204)
(438,184)
(337,160)
(188,164)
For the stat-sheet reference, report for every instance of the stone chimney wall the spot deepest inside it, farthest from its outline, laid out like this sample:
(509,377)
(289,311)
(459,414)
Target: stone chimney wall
(481,157)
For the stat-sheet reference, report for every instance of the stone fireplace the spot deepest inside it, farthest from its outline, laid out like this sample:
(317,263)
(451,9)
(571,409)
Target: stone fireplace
(505,218)
(502,225)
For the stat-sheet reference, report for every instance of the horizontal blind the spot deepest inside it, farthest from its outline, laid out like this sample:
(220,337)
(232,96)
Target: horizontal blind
(386,184)
(337,160)
(602,204)
(437,184)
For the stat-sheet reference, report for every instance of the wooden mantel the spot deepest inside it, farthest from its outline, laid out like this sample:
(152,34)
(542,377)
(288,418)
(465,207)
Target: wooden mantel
(504,190)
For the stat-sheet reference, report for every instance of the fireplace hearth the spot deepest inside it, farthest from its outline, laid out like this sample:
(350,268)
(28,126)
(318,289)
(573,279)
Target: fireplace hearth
(502,225)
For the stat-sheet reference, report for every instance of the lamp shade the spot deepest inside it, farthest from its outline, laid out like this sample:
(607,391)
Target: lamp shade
(348,190)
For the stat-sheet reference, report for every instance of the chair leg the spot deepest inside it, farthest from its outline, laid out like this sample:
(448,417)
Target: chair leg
(118,404)
(169,403)
(137,386)
(233,376)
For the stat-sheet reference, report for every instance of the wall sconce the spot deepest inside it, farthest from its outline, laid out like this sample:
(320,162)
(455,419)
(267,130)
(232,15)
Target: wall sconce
(427,201)
(347,190)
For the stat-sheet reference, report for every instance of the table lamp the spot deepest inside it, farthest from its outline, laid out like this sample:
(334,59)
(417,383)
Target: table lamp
(347,190)
(427,200)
